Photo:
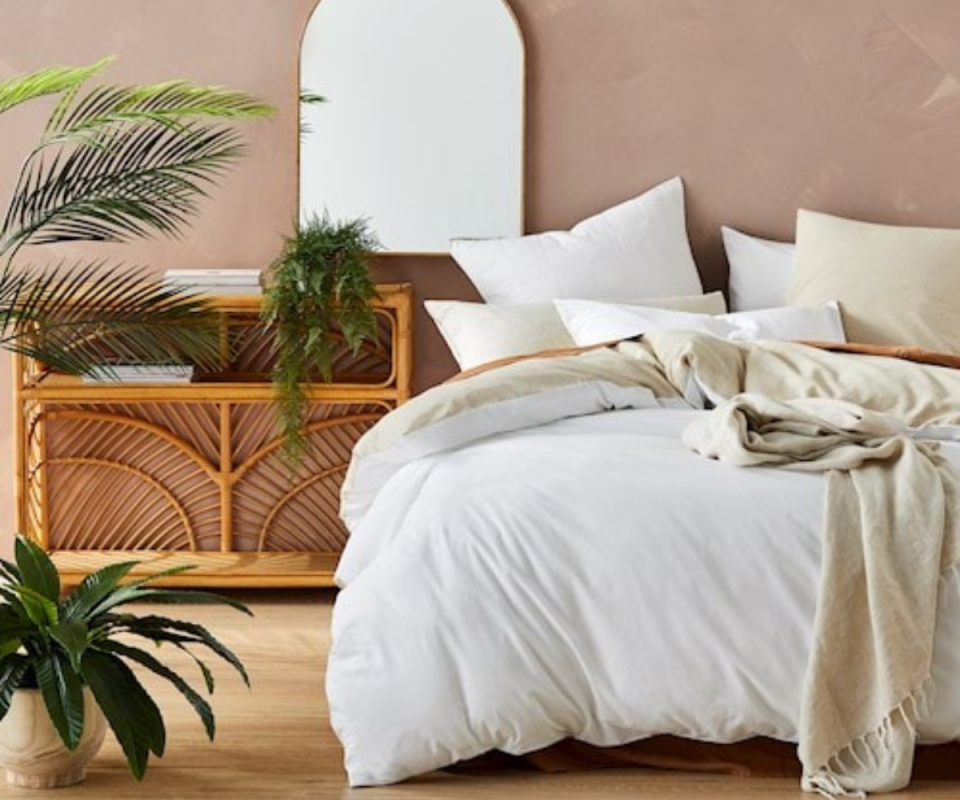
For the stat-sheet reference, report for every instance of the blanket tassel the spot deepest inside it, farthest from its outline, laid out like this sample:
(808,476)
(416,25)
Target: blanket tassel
(827,785)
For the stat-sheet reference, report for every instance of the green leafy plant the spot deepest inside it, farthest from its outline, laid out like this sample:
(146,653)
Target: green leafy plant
(307,99)
(62,645)
(318,295)
(113,164)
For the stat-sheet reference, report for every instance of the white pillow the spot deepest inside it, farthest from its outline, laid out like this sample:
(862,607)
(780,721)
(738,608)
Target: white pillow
(636,249)
(591,323)
(478,333)
(760,270)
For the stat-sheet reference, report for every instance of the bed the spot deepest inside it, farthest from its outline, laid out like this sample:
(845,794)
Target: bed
(713,526)
(532,567)
(558,564)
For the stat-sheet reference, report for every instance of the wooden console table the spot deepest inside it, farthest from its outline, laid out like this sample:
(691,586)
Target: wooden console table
(193,473)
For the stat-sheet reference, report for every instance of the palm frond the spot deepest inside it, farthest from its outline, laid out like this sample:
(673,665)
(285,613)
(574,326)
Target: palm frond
(83,318)
(47,81)
(125,184)
(171,103)
(308,98)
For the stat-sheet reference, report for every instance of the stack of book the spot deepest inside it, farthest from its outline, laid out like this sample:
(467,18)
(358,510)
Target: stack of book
(218,281)
(140,373)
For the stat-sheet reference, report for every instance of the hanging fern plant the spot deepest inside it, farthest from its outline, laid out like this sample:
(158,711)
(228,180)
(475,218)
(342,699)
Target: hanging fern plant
(318,296)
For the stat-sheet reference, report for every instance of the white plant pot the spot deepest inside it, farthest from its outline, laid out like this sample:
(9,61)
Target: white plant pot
(30,747)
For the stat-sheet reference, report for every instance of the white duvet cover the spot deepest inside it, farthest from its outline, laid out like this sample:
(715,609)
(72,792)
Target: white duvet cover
(588,578)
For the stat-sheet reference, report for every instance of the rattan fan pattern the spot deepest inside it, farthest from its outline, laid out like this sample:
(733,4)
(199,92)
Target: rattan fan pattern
(147,477)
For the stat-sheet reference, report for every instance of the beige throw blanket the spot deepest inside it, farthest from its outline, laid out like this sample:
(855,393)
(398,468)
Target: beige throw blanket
(891,538)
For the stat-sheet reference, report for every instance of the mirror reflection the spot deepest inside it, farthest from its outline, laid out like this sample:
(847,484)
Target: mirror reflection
(421,131)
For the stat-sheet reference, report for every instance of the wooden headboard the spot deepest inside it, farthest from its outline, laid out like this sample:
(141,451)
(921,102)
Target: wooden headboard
(763,106)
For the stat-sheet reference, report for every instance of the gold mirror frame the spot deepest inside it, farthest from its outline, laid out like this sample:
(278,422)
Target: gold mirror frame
(522,177)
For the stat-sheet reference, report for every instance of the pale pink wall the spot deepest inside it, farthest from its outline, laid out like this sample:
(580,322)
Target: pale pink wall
(249,44)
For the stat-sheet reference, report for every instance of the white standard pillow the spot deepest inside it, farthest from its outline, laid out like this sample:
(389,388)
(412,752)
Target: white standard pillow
(591,323)
(636,249)
(760,270)
(478,333)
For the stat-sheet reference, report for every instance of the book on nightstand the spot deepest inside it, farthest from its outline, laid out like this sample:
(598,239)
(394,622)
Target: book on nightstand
(218,281)
(141,373)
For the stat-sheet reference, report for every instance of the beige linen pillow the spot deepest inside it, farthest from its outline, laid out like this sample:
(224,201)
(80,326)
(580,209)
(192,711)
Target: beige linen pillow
(895,285)
(478,333)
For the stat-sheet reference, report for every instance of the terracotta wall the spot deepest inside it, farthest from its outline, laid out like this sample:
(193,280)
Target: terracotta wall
(850,106)
(762,106)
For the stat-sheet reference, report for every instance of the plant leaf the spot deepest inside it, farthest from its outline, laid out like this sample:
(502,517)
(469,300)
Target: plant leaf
(39,573)
(39,609)
(62,692)
(164,573)
(47,81)
(12,670)
(124,183)
(201,706)
(138,592)
(10,572)
(159,637)
(164,629)
(307,99)
(133,716)
(86,318)
(73,637)
(187,597)
(310,98)
(320,281)
(82,601)
(208,678)
(170,103)
(13,602)
(9,647)
(13,626)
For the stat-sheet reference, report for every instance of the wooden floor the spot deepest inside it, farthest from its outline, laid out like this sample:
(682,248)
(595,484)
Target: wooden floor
(274,742)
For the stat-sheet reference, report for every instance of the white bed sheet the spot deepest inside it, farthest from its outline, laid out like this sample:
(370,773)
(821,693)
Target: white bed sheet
(590,578)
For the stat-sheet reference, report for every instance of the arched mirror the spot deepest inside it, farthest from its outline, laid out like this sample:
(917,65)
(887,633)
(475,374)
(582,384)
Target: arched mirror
(422,128)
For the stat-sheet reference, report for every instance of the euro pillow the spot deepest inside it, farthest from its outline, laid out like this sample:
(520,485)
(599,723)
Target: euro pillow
(896,285)
(478,333)
(636,249)
(760,270)
(591,323)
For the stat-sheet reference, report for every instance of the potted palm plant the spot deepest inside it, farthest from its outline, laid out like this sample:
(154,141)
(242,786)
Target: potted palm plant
(65,671)
(113,164)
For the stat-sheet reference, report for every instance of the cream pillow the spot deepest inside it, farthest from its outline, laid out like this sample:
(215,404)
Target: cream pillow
(478,333)
(895,285)
(636,249)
